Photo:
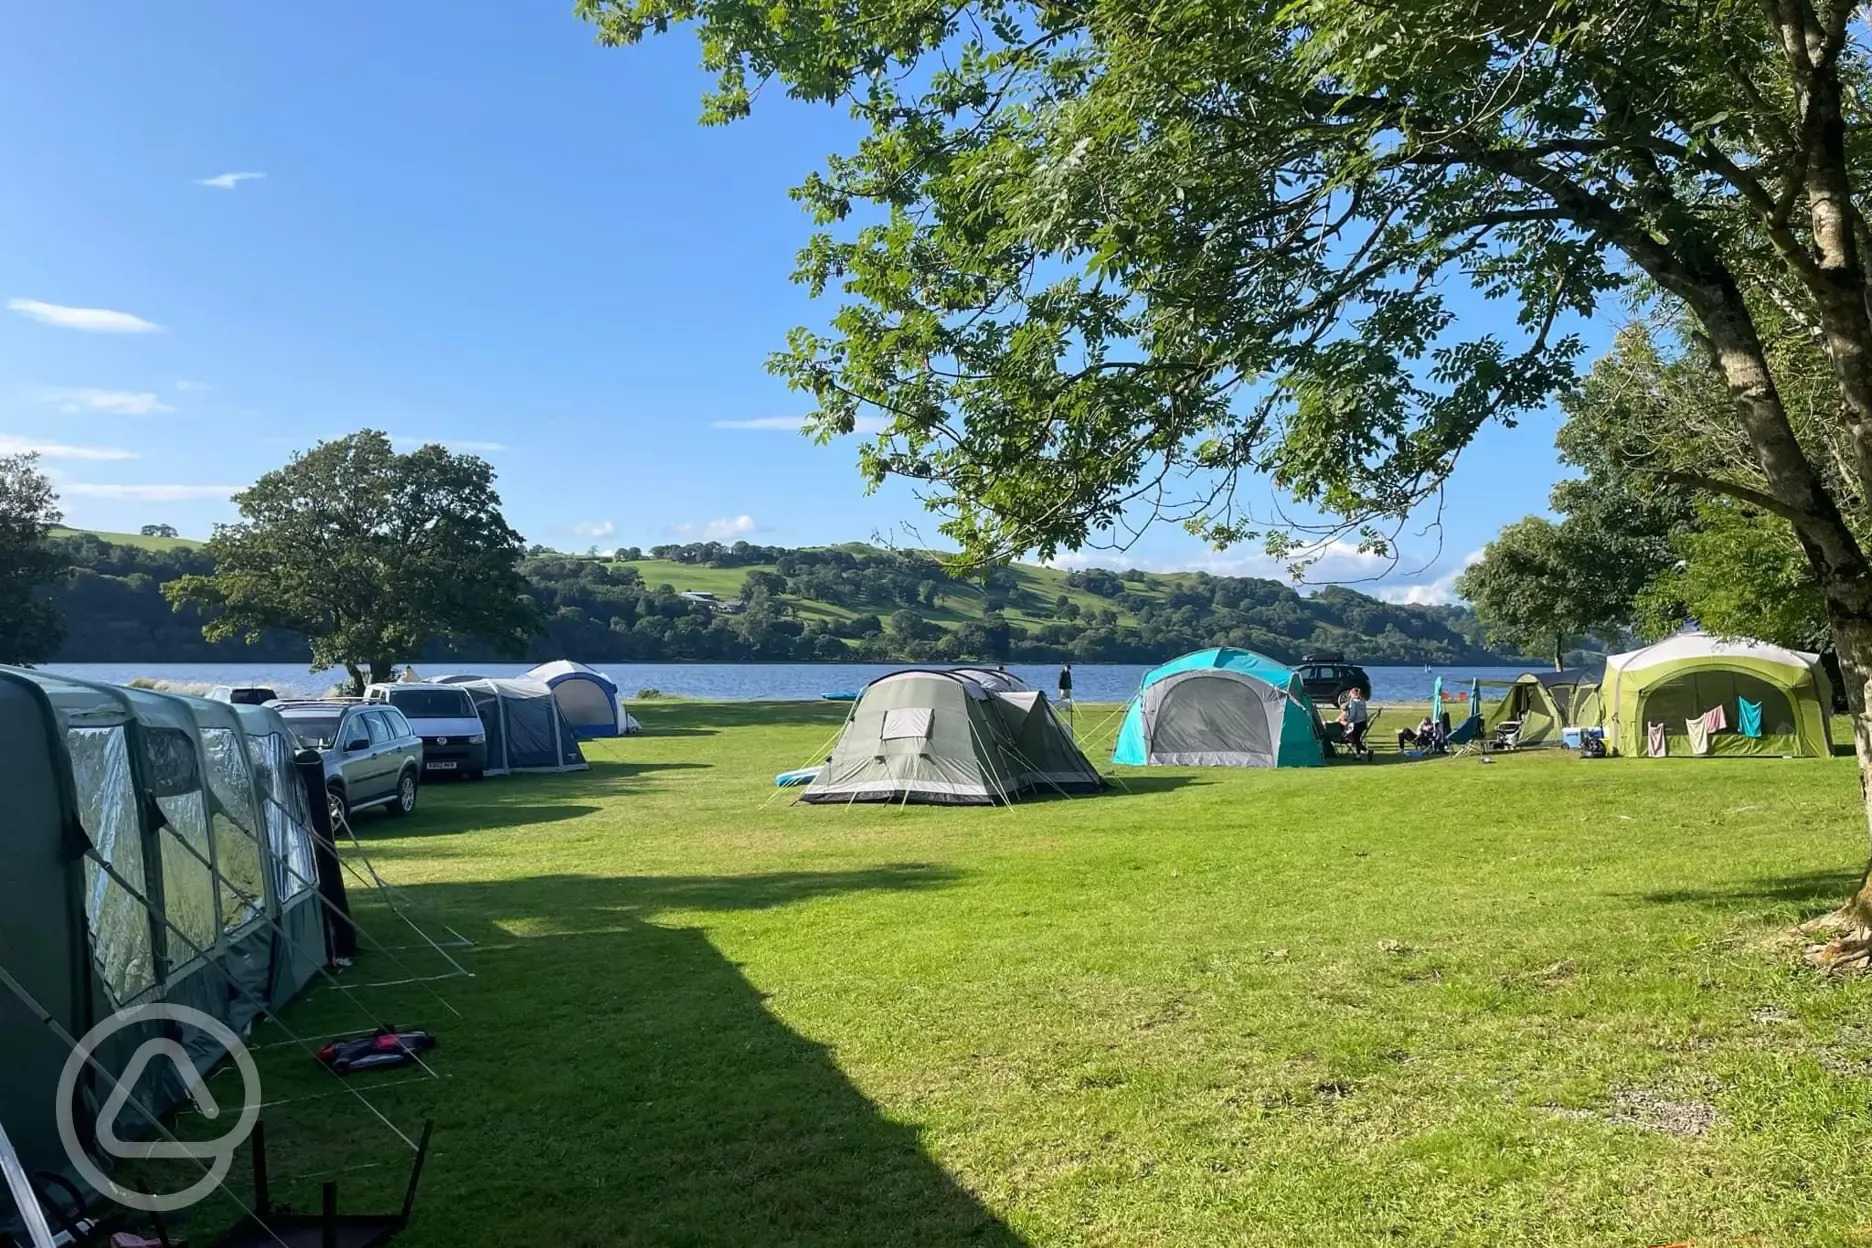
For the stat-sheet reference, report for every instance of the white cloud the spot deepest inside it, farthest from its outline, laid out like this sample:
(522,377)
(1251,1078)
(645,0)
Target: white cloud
(149,493)
(866,425)
(790,424)
(721,530)
(1431,593)
(227,181)
(10,445)
(404,443)
(76,399)
(91,320)
(186,386)
(593,528)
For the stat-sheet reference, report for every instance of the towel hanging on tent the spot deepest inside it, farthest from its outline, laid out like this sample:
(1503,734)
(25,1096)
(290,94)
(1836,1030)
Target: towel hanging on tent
(1655,744)
(1716,719)
(1750,715)
(1698,734)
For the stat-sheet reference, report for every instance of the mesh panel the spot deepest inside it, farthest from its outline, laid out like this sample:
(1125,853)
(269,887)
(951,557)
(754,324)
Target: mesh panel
(237,846)
(107,806)
(188,890)
(1212,716)
(1688,695)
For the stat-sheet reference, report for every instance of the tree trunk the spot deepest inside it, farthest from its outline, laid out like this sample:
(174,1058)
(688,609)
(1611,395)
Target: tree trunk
(1559,654)
(356,687)
(381,671)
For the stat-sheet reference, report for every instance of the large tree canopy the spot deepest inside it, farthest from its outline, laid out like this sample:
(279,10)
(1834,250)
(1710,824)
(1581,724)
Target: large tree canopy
(1107,243)
(30,630)
(368,554)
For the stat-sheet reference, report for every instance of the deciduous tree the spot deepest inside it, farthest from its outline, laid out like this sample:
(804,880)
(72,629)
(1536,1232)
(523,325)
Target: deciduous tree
(1111,249)
(368,554)
(30,629)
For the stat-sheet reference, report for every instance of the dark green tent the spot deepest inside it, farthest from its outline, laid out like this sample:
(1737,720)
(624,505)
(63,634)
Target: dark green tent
(153,852)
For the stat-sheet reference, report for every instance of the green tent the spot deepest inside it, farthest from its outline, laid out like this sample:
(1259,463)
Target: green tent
(1782,695)
(1543,703)
(153,850)
(964,737)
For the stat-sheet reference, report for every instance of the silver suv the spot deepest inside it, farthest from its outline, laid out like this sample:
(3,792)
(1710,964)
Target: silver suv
(372,755)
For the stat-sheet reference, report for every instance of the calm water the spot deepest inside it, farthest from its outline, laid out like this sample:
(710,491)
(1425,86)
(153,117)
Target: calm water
(738,682)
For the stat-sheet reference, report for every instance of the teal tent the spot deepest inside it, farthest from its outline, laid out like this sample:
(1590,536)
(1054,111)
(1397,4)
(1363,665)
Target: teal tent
(1221,708)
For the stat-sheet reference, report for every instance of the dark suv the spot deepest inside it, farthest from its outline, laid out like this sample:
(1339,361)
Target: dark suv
(1329,678)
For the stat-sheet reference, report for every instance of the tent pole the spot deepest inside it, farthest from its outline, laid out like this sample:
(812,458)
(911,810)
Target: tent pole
(23,1194)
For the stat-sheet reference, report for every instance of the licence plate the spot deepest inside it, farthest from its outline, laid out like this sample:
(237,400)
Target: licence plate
(440,766)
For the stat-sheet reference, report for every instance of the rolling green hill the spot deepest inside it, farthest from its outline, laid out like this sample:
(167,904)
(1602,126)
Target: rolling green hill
(137,540)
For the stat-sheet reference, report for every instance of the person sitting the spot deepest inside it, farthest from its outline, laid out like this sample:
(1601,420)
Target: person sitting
(1423,736)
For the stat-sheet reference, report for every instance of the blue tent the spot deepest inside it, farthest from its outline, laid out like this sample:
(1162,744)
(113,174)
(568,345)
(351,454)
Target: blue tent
(587,697)
(1221,708)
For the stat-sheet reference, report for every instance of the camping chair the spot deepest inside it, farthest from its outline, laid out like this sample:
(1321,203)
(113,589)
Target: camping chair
(1507,735)
(1466,738)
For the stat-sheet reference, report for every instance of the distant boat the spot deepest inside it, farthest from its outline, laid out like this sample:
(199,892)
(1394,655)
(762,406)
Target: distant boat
(842,695)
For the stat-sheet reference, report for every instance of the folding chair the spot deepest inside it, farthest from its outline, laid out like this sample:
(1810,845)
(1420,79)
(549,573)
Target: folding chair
(1467,738)
(1507,735)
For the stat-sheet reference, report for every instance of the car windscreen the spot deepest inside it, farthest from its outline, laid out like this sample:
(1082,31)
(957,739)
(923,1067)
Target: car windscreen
(432,703)
(315,731)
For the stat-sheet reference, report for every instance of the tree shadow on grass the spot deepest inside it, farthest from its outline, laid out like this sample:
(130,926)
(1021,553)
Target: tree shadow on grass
(616,1081)
(1137,786)
(1811,893)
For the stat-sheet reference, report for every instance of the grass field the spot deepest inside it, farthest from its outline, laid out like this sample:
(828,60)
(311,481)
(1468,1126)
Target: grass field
(128,539)
(1530,1003)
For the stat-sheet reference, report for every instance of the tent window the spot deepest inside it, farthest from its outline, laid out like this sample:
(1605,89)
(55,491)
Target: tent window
(285,812)
(242,881)
(169,754)
(907,723)
(188,889)
(120,930)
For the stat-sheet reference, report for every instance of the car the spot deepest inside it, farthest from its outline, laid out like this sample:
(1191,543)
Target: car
(1329,678)
(242,695)
(372,755)
(444,716)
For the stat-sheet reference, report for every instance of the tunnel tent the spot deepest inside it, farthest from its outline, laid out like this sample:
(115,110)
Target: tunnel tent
(1221,707)
(1683,677)
(957,738)
(590,699)
(1543,703)
(526,729)
(136,871)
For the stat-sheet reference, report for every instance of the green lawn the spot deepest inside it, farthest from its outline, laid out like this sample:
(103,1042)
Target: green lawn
(1532,1002)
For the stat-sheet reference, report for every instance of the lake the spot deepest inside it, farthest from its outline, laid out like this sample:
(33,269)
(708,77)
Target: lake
(741,682)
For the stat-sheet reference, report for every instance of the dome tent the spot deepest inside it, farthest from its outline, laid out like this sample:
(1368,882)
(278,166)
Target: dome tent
(1221,708)
(953,738)
(1682,677)
(589,699)
(1544,704)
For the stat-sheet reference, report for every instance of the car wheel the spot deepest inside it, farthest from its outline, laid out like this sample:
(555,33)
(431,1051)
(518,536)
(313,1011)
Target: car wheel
(405,795)
(472,775)
(336,808)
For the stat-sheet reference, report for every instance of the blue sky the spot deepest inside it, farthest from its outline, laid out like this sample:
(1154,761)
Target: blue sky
(472,225)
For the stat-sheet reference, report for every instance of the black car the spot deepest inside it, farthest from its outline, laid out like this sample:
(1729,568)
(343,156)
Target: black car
(1329,678)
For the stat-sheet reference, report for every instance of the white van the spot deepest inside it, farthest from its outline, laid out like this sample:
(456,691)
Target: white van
(454,739)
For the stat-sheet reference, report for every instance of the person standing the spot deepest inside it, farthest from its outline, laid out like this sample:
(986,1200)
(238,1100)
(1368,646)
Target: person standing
(1357,719)
(1065,682)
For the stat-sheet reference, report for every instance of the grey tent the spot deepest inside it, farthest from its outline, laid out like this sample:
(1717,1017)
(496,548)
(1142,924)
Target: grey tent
(153,859)
(960,737)
(526,728)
